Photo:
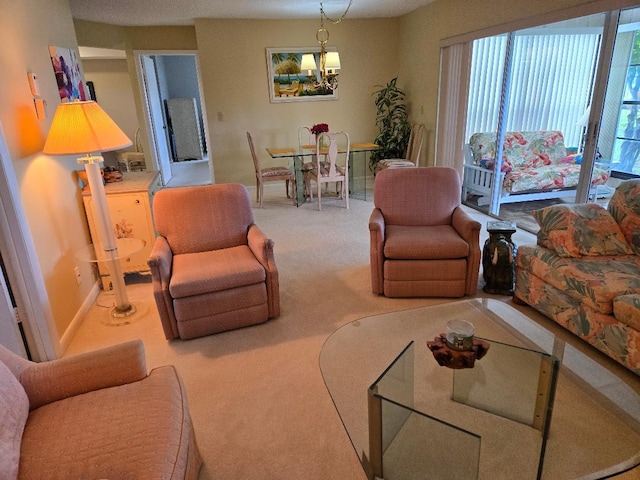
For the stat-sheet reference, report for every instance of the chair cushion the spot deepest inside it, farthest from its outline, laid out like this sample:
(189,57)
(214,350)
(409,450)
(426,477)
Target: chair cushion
(14,410)
(424,242)
(626,309)
(138,430)
(213,271)
(276,172)
(324,169)
(592,280)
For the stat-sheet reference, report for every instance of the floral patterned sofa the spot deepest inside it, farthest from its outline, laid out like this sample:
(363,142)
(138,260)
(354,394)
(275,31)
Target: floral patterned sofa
(584,272)
(535,165)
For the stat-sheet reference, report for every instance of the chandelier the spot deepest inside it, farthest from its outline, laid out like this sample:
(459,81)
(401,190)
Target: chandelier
(329,61)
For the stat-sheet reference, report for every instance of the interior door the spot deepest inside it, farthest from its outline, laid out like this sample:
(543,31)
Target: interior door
(155,117)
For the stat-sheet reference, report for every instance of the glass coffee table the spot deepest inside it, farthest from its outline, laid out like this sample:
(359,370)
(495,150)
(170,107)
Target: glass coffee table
(420,420)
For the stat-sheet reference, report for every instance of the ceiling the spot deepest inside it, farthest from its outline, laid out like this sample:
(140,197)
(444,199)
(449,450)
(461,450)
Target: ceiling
(183,12)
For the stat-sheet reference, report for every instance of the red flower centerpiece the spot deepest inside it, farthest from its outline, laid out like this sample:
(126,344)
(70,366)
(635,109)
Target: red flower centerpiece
(319,128)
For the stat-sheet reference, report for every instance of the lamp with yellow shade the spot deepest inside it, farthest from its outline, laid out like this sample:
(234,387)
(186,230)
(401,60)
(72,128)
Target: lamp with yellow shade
(85,128)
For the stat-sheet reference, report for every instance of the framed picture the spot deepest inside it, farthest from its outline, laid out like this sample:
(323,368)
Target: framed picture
(66,69)
(291,81)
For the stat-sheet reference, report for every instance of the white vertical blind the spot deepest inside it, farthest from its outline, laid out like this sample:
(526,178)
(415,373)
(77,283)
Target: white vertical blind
(454,72)
(551,80)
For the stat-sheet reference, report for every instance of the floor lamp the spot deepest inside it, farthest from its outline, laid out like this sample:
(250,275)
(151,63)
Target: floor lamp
(82,128)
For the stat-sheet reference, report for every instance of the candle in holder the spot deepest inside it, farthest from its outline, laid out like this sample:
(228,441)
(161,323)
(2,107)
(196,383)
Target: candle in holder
(459,335)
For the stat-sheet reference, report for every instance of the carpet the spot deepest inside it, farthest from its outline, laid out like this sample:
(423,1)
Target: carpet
(520,213)
(257,398)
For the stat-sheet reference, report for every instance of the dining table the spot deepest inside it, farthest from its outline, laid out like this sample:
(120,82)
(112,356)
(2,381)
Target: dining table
(360,176)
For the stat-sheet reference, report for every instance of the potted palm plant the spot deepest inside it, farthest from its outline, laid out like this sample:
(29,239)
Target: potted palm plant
(393,123)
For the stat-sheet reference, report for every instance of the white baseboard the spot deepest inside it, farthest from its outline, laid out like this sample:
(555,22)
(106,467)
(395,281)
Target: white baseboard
(79,317)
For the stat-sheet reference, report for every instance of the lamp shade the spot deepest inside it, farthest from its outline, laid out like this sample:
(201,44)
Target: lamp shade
(308,62)
(82,128)
(332,61)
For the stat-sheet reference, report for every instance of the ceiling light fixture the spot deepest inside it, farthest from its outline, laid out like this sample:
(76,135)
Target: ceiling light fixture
(329,61)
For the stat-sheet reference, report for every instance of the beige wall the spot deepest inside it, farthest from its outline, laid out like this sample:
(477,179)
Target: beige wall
(48,188)
(114,92)
(234,74)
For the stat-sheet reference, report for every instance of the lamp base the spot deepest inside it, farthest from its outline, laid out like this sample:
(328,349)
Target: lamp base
(118,316)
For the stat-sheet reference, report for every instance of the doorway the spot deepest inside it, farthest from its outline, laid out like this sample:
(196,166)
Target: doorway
(175,116)
(25,318)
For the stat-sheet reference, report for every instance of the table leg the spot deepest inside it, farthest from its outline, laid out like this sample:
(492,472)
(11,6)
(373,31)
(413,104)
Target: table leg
(297,169)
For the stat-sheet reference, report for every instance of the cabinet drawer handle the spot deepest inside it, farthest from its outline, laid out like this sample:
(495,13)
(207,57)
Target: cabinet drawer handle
(137,202)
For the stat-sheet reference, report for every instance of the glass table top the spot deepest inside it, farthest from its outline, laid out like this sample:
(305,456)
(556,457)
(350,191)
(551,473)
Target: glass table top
(596,415)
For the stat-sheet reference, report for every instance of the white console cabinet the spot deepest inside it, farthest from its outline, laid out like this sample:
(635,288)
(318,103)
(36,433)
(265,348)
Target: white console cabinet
(130,204)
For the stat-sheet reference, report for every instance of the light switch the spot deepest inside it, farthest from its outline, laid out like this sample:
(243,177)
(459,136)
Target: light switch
(33,84)
(41,108)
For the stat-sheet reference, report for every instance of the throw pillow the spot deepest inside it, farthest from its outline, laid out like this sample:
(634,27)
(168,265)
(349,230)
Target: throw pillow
(14,410)
(580,230)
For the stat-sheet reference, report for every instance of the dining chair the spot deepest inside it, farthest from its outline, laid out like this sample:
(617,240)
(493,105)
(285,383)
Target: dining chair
(271,174)
(334,166)
(412,156)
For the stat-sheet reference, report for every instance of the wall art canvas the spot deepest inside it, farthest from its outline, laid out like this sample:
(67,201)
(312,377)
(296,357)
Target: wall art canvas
(66,68)
(289,83)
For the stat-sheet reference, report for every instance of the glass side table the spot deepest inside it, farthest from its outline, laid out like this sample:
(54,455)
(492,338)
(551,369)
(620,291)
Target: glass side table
(407,442)
(123,311)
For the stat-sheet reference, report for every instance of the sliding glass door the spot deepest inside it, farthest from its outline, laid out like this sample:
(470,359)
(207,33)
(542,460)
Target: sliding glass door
(532,87)
(618,145)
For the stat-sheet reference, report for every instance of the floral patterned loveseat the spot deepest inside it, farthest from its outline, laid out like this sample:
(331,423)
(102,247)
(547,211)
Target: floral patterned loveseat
(584,272)
(535,165)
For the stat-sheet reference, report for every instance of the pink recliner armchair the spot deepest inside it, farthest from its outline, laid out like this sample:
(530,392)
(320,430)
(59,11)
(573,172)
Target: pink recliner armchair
(213,269)
(422,243)
(97,415)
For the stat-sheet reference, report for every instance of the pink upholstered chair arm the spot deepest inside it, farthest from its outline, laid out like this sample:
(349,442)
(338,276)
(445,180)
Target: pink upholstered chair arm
(376,250)
(160,262)
(58,379)
(262,248)
(469,230)
(160,259)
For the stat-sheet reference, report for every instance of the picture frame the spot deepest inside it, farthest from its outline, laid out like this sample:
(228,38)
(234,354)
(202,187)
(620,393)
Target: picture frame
(68,74)
(288,83)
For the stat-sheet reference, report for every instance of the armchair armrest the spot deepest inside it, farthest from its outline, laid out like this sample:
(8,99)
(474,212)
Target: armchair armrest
(469,230)
(160,260)
(376,250)
(55,380)
(262,248)
(160,263)
(467,227)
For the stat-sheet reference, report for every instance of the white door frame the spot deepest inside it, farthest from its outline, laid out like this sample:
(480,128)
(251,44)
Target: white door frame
(144,95)
(23,268)
(157,131)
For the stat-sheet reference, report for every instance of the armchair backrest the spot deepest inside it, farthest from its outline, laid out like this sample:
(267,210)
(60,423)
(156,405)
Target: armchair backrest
(203,218)
(417,196)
